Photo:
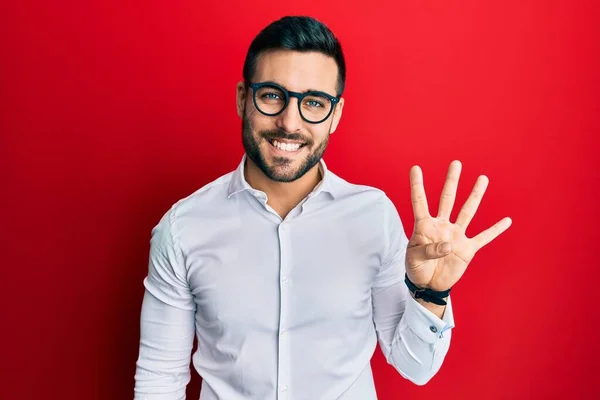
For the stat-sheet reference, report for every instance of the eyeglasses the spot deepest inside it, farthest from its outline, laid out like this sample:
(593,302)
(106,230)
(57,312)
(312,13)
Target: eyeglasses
(271,99)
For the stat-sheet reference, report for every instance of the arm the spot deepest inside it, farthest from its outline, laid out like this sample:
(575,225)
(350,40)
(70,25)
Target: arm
(436,256)
(436,309)
(167,321)
(413,337)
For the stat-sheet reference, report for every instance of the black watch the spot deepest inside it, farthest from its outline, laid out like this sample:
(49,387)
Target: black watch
(428,295)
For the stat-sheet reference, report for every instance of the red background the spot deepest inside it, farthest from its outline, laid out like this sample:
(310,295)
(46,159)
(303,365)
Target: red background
(111,112)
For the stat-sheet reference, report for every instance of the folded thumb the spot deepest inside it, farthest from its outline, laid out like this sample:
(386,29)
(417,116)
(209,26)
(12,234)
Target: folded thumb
(437,250)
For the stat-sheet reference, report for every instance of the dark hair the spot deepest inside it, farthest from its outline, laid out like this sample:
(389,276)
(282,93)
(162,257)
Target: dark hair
(298,33)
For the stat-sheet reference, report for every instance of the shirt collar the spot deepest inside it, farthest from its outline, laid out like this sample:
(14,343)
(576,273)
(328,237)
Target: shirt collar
(239,184)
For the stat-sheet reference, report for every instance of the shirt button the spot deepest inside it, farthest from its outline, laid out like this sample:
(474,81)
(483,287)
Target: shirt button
(285,280)
(282,333)
(283,388)
(433,329)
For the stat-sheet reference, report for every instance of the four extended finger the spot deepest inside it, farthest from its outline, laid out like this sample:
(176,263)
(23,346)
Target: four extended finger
(449,190)
(469,209)
(417,193)
(492,232)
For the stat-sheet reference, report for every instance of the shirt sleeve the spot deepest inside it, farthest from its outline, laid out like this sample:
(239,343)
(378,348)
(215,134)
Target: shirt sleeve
(167,321)
(412,338)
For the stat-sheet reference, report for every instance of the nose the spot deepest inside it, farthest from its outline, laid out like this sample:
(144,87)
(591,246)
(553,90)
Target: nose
(290,119)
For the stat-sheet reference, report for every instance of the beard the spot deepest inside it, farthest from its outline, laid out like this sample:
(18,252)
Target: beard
(281,168)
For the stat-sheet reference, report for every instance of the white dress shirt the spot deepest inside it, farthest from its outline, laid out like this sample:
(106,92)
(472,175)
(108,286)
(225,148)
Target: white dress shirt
(287,309)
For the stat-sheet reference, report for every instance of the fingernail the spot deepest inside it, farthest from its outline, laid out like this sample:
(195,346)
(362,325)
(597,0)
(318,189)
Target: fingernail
(445,248)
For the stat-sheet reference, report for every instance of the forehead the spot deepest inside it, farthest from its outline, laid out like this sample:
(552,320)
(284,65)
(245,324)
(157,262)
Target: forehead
(298,71)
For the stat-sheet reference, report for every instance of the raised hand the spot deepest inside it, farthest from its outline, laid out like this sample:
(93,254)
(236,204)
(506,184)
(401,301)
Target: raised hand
(439,251)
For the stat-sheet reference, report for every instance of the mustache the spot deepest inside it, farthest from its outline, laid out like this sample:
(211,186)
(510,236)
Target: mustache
(281,134)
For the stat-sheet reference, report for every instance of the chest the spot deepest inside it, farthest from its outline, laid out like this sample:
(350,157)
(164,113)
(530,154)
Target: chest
(242,278)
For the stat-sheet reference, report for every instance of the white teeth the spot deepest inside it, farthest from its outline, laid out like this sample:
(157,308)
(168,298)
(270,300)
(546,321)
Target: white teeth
(286,146)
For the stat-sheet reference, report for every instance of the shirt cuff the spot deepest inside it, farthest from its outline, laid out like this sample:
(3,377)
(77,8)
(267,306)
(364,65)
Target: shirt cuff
(425,324)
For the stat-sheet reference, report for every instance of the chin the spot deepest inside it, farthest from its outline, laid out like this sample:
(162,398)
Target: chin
(289,172)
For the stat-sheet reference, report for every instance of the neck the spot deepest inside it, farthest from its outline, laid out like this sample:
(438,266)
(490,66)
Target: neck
(282,196)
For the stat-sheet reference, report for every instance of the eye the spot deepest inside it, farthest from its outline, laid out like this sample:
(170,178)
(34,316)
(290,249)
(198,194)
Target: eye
(271,96)
(314,103)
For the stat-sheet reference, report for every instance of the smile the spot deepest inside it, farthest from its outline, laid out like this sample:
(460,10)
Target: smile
(289,147)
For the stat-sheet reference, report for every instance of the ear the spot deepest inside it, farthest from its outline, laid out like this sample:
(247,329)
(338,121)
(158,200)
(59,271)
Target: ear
(240,98)
(337,115)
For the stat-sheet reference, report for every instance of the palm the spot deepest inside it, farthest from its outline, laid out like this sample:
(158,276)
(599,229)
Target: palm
(426,264)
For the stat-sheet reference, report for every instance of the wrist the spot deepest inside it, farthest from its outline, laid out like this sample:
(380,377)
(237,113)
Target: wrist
(436,309)
(425,294)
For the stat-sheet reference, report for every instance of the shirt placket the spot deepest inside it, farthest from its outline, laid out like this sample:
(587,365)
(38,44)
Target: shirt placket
(283,376)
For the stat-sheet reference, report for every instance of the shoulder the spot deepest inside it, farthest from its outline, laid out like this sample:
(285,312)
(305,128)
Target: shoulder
(202,200)
(370,204)
(205,197)
(360,194)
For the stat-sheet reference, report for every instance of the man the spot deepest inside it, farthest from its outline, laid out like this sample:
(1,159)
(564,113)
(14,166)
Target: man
(289,275)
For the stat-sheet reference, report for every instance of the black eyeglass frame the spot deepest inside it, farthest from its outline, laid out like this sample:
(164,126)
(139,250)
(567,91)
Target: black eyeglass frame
(300,96)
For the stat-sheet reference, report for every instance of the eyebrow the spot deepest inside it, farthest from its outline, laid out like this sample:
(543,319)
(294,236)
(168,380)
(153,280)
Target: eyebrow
(306,91)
